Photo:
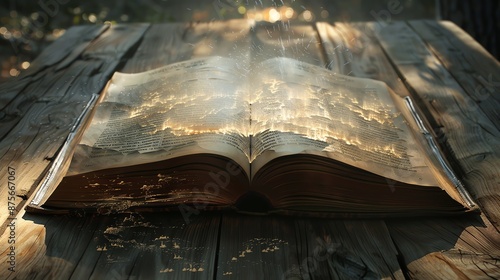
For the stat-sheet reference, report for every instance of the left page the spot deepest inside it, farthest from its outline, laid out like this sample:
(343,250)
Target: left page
(191,107)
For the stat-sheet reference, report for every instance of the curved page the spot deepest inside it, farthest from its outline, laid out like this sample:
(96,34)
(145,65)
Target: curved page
(186,108)
(301,108)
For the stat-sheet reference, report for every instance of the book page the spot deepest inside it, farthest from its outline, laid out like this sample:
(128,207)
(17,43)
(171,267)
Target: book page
(197,106)
(301,108)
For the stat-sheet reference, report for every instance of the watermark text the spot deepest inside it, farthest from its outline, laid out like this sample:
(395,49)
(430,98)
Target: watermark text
(11,227)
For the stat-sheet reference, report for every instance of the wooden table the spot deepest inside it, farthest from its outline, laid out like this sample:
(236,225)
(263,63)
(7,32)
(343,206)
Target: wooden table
(453,78)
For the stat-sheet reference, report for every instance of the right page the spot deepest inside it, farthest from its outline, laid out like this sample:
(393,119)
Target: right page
(300,108)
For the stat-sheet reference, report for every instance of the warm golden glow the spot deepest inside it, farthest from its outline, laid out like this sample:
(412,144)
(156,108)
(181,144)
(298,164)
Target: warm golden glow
(316,113)
(25,65)
(14,72)
(242,10)
(307,15)
(291,103)
(271,14)
(274,15)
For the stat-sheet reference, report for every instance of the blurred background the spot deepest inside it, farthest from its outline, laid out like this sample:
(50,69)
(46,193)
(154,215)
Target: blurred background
(27,26)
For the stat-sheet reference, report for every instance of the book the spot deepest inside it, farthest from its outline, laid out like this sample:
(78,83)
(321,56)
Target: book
(278,136)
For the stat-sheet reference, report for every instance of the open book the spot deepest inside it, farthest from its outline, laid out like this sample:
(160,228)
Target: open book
(279,136)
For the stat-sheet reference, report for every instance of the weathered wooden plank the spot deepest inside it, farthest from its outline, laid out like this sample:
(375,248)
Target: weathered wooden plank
(88,76)
(9,92)
(341,47)
(258,253)
(167,43)
(471,136)
(477,71)
(66,49)
(105,227)
(112,47)
(161,45)
(57,98)
(15,100)
(34,93)
(150,246)
(87,82)
(49,247)
(21,241)
(184,41)
(350,50)
(346,250)
(187,41)
(454,248)
(256,247)
(35,138)
(193,257)
(282,39)
(367,59)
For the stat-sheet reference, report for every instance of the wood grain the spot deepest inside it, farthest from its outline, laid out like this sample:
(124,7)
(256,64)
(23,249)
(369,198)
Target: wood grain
(470,134)
(151,246)
(456,248)
(64,93)
(347,250)
(368,60)
(135,246)
(66,49)
(282,39)
(55,99)
(352,50)
(168,43)
(148,246)
(15,101)
(476,70)
(256,247)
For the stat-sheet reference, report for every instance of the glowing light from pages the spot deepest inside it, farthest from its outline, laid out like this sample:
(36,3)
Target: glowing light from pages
(329,114)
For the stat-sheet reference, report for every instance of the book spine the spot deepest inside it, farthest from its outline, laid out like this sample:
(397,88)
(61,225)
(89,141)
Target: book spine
(63,153)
